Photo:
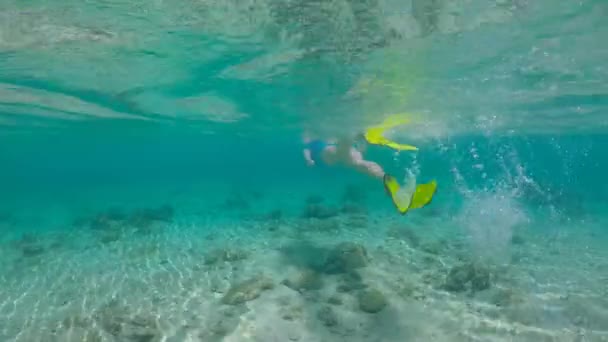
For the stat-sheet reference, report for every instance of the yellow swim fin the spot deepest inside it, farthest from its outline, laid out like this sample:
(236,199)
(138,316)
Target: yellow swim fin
(374,135)
(401,199)
(423,195)
(405,199)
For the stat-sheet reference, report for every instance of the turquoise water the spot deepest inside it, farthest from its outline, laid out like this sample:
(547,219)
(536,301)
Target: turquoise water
(153,186)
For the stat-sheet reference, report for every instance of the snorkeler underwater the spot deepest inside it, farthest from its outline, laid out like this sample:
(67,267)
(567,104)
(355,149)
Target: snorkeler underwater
(309,171)
(344,151)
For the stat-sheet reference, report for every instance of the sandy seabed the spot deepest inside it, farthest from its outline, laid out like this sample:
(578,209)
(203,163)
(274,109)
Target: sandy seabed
(331,274)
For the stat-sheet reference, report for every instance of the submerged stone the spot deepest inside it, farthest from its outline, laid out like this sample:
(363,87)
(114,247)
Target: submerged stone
(480,280)
(124,325)
(143,218)
(351,281)
(225,255)
(237,201)
(80,335)
(458,278)
(357,221)
(335,300)
(327,316)
(223,323)
(320,211)
(32,250)
(305,280)
(352,208)
(274,215)
(372,301)
(324,225)
(291,312)
(433,247)
(103,222)
(162,213)
(506,297)
(109,236)
(247,290)
(468,276)
(30,246)
(345,257)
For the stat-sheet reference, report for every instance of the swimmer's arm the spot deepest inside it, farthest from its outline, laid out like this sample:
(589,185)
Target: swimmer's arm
(308,157)
(307,154)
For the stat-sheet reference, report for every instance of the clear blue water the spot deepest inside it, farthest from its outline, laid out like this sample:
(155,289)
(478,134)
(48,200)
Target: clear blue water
(151,166)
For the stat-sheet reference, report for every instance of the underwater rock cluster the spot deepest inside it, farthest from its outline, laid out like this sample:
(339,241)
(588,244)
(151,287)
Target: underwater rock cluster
(320,211)
(467,277)
(247,290)
(225,255)
(341,264)
(305,280)
(345,257)
(112,224)
(110,322)
(30,246)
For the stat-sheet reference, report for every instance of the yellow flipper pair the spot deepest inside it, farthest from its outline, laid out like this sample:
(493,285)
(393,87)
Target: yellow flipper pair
(410,197)
(374,135)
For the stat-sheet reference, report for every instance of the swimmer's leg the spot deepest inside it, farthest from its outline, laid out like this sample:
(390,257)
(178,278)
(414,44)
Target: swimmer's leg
(368,167)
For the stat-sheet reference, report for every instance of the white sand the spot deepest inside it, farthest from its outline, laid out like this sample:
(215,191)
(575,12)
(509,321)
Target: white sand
(158,287)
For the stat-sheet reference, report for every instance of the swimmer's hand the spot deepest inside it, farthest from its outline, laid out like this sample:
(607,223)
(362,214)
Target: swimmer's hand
(308,157)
